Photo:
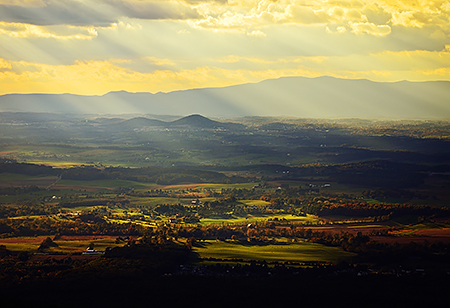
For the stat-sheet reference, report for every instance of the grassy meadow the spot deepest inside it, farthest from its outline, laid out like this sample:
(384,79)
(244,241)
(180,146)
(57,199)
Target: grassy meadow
(259,218)
(280,251)
(66,246)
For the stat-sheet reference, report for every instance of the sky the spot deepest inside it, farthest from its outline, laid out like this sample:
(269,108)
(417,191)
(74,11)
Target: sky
(92,47)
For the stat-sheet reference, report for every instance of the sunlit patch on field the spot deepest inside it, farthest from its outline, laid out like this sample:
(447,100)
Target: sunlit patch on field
(279,251)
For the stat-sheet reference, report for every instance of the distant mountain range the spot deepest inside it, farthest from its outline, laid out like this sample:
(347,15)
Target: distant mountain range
(322,97)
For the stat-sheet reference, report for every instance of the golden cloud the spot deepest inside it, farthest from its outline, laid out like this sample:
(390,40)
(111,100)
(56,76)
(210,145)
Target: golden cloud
(20,30)
(256,33)
(5,64)
(370,28)
(242,15)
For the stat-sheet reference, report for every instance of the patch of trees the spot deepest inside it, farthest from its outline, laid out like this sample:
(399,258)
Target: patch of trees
(385,193)
(92,202)
(27,210)
(14,191)
(391,253)
(170,209)
(376,173)
(45,226)
(164,176)
(159,253)
(380,173)
(363,209)
(47,243)
(28,169)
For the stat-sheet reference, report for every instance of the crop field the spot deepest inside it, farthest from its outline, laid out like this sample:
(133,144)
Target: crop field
(280,251)
(255,202)
(258,218)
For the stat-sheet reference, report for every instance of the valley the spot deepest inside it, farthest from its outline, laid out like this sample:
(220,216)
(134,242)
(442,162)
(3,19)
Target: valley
(262,198)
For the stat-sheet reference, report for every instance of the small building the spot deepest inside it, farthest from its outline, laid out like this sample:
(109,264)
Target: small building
(93,252)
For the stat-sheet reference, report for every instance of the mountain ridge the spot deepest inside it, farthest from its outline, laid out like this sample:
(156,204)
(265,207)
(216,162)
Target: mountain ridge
(321,97)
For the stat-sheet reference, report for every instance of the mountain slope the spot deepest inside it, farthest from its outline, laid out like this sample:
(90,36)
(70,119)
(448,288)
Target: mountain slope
(140,122)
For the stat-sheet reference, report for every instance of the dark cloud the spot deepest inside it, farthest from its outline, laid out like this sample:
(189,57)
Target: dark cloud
(55,13)
(93,13)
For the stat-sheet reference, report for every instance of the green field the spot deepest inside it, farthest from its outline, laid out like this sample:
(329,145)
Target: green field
(31,244)
(252,219)
(280,251)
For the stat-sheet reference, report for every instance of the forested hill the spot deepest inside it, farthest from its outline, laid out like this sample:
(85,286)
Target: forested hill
(191,121)
(165,176)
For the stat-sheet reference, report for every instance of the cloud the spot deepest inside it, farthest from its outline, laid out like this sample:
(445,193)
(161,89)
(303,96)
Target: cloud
(306,15)
(341,29)
(329,14)
(93,12)
(20,30)
(370,28)
(23,2)
(373,17)
(418,14)
(206,1)
(256,33)
(153,9)
(143,65)
(5,64)
(64,12)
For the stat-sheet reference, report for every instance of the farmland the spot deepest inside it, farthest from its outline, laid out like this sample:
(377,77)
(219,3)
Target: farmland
(279,251)
(254,200)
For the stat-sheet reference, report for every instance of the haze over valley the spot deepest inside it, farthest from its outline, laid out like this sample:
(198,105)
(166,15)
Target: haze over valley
(322,97)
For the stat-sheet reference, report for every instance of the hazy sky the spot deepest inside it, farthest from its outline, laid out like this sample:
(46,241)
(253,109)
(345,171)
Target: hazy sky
(97,46)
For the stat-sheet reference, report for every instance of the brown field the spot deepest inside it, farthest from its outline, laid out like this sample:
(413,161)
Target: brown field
(409,239)
(351,228)
(441,233)
(419,236)
(84,237)
(18,240)
(36,258)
